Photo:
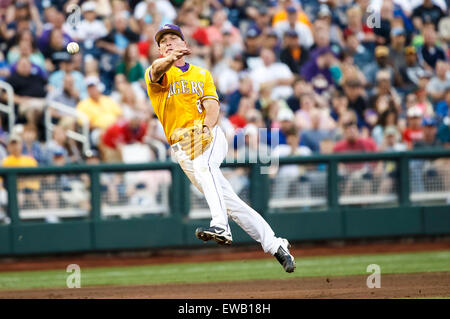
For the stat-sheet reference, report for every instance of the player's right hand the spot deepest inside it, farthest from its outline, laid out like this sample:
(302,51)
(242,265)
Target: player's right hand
(178,53)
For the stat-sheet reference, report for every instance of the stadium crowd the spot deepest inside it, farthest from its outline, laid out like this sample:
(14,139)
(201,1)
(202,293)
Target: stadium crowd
(331,75)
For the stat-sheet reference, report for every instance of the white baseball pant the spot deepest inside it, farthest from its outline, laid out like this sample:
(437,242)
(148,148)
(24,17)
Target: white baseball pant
(204,172)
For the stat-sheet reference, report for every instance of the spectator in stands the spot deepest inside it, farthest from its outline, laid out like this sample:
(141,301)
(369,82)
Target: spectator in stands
(26,47)
(312,137)
(429,52)
(440,82)
(27,187)
(15,157)
(361,55)
(61,143)
(384,88)
(231,48)
(55,49)
(67,95)
(429,139)
(66,66)
(352,142)
(299,87)
(271,41)
(246,89)
(304,38)
(228,79)
(117,40)
(383,29)
(31,145)
(318,68)
(219,23)
(359,175)
(285,119)
(293,54)
(276,74)
(90,29)
(443,106)
(397,52)
(392,140)
(325,14)
(381,63)
(122,133)
(356,98)
(26,81)
(423,101)
(29,94)
(356,26)
(411,71)
(388,117)
(112,47)
(307,107)
(130,98)
(414,131)
(100,109)
(339,106)
(130,65)
(252,48)
(25,16)
(239,119)
(158,12)
(426,12)
(281,13)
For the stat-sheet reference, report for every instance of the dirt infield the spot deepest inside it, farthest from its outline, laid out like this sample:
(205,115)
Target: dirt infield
(216,253)
(392,286)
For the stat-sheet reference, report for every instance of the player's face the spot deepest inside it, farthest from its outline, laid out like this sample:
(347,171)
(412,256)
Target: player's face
(169,42)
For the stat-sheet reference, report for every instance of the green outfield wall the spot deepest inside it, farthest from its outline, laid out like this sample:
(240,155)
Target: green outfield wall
(334,220)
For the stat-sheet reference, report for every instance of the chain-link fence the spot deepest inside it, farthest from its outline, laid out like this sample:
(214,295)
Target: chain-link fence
(53,197)
(134,194)
(299,186)
(430,181)
(368,183)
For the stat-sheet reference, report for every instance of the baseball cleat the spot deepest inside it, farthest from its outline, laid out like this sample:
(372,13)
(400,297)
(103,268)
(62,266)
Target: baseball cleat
(218,234)
(284,257)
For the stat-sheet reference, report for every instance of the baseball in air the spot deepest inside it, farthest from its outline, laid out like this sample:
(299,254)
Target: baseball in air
(73,47)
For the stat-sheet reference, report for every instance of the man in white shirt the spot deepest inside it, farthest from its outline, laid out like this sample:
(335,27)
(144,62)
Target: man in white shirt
(164,8)
(274,74)
(305,37)
(440,82)
(89,29)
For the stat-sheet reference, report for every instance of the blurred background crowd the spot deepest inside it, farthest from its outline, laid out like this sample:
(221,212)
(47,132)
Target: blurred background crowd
(331,75)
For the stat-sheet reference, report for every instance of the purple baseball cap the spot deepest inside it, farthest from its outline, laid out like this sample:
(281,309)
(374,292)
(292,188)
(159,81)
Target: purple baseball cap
(168,28)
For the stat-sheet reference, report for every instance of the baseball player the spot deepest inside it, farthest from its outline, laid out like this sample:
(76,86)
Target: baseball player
(185,100)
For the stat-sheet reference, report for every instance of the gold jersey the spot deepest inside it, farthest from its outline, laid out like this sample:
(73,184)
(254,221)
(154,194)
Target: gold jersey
(177,98)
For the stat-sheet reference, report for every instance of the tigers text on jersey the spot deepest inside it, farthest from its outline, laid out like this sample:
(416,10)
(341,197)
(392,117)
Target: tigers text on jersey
(177,98)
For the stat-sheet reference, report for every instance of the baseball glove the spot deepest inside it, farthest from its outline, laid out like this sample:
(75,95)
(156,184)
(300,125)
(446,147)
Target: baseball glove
(194,140)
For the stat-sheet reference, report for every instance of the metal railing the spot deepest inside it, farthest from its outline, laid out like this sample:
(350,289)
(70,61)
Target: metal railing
(8,108)
(82,137)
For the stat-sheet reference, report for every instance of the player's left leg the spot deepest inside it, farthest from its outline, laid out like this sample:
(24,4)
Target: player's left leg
(255,225)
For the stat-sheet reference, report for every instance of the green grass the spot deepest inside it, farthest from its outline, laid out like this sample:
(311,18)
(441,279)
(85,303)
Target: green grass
(231,270)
